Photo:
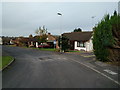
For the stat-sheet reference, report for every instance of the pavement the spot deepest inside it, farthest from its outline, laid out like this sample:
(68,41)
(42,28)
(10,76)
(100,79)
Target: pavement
(47,69)
(110,70)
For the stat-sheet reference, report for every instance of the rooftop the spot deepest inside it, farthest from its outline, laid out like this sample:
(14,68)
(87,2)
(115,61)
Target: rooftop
(78,36)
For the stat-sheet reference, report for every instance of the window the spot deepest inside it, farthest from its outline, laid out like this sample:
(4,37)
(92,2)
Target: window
(80,44)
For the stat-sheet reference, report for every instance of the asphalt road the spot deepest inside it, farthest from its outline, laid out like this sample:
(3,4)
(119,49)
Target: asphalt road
(44,69)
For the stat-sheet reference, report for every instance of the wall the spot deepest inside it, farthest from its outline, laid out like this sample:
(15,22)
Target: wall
(78,48)
(88,46)
(1,41)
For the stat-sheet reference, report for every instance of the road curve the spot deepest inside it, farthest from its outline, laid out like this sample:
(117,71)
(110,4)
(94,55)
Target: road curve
(44,69)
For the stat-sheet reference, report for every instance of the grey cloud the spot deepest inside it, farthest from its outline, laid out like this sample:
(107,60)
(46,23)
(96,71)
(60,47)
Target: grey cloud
(22,19)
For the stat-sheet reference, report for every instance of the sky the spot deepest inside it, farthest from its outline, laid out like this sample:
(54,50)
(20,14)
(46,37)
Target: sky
(24,18)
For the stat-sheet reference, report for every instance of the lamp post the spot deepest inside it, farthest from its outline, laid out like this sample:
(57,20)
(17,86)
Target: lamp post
(59,14)
(92,19)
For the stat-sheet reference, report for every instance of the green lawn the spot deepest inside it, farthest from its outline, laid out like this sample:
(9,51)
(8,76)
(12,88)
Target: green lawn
(73,51)
(47,49)
(4,60)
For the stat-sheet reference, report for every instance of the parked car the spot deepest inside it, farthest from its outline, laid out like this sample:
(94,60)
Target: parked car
(44,46)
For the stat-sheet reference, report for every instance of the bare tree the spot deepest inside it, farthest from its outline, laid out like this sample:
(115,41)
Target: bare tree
(41,31)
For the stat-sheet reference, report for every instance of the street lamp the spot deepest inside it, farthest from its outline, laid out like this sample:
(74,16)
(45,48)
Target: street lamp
(92,19)
(59,14)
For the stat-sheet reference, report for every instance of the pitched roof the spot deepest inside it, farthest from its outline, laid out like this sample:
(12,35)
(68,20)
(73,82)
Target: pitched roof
(78,36)
(33,39)
(26,39)
(51,37)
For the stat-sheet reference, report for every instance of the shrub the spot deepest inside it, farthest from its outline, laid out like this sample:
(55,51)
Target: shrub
(103,38)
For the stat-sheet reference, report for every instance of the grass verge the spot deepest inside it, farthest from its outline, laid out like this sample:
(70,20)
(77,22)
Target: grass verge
(47,49)
(73,51)
(116,63)
(5,60)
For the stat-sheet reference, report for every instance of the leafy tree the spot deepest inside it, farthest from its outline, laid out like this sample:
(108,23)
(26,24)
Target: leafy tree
(103,38)
(77,30)
(43,38)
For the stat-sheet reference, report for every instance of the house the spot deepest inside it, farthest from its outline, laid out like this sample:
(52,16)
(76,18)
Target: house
(12,41)
(1,42)
(32,42)
(80,40)
(52,40)
(21,41)
(24,41)
(6,40)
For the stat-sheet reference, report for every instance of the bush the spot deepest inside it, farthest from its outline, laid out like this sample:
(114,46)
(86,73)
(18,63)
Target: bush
(103,38)
(64,42)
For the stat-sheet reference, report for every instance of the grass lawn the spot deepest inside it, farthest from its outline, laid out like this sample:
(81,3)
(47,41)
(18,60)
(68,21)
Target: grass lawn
(73,51)
(47,49)
(4,60)
(12,45)
(116,63)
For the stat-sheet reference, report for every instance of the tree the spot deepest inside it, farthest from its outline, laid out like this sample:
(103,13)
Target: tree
(41,31)
(64,41)
(77,30)
(30,36)
(104,38)
(43,38)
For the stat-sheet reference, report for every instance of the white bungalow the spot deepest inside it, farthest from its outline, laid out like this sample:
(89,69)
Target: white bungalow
(80,40)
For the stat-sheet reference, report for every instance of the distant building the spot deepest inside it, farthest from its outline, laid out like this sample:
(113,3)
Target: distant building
(52,40)
(1,42)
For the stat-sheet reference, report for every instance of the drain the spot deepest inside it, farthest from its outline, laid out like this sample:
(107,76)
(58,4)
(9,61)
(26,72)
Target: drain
(41,58)
(45,58)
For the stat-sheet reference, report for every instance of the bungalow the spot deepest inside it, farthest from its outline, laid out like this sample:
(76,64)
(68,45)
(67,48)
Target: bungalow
(24,41)
(32,42)
(80,40)
(52,40)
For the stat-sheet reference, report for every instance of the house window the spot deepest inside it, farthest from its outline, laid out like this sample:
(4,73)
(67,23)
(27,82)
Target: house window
(80,44)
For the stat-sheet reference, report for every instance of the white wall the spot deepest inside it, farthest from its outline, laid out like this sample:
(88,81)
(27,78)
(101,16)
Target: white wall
(78,48)
(88,46)
(36,44)
(1,41)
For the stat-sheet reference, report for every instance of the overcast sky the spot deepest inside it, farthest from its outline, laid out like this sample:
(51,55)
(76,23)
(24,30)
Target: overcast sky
(23,18)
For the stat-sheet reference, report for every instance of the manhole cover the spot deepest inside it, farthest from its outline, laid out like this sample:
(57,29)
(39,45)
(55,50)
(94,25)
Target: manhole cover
(45,58)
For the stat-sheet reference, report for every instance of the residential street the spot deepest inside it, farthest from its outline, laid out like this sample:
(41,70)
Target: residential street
(47,69)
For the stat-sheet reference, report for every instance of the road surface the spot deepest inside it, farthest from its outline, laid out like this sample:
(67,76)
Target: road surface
(45,69)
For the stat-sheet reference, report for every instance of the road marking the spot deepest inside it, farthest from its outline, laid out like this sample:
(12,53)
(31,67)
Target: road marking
(98,72)
(88,56)
(110,72)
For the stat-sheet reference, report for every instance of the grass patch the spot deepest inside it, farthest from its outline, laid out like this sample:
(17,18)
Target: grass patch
(73,51)
(116,63)
(5,60)
(12,45)
(47,49)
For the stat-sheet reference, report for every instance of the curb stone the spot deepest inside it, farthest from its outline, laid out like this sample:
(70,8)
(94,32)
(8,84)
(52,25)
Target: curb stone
(8,64)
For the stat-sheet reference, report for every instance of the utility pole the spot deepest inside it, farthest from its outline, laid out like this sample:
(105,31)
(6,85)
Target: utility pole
(93,20)
(59,14)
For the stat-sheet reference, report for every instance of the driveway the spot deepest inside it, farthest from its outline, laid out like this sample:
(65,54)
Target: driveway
(45,69)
